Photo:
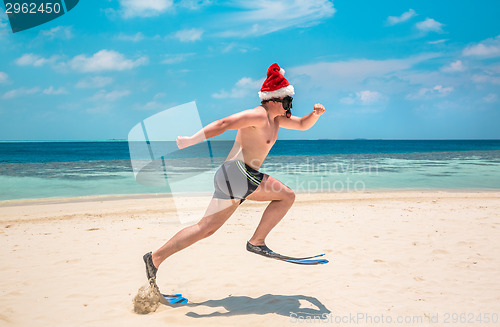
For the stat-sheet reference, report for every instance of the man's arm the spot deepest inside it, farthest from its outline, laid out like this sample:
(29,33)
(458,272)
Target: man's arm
(239,120)
(303,123)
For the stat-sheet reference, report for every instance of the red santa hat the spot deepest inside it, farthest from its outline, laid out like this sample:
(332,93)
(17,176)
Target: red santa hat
(275,85)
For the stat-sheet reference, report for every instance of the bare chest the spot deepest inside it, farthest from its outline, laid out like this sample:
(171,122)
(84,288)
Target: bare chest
(261,137)
(269,133)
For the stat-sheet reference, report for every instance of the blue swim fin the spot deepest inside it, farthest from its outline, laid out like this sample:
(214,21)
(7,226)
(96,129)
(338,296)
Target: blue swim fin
(175,298)
(267,252)
(307,262)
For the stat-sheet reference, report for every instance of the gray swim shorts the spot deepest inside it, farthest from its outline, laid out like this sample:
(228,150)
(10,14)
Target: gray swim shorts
(236,180)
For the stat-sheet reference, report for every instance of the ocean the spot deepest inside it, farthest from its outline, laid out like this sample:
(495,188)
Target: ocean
(66,169)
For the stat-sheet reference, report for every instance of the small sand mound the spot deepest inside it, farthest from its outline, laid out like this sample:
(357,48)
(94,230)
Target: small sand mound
(147,299)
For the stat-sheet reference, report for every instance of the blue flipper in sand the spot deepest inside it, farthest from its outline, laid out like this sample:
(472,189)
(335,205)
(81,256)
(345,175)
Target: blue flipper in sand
(175,298)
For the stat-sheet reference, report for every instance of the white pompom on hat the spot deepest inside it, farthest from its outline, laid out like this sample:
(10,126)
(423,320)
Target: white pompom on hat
(275,85)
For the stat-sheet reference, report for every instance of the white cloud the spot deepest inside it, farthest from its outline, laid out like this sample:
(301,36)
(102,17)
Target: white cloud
(109,96)
(351,99)
(229,47)
(189,35)
(20,92)
(100,109)
(144,8)
(154,104)
(456,66)
(233,46)
(491,98)
(365,97)
(348,75)
(194,4)
(369,97)
(429,93)
(393,20)
(438,41)
(52,91)
(3,19)
(105,60)
(260,17)
(3,77)
(495,68)
(31,59)
(442,91)
(487,48)
(94,82)
(59,32)
(176,58)
(486,78)
(132,38)
(244,87)
(430,25)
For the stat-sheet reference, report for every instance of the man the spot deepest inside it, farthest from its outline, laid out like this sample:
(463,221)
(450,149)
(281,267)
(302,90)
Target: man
(238,178)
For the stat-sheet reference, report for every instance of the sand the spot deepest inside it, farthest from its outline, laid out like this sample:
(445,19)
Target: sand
(427,258)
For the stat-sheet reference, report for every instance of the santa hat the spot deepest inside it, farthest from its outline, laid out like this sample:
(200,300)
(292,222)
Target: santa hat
(275,85)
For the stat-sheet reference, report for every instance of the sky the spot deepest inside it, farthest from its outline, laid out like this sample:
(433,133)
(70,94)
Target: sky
(383,69)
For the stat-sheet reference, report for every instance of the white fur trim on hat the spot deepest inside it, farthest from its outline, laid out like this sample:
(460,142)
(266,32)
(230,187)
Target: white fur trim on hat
(279,93)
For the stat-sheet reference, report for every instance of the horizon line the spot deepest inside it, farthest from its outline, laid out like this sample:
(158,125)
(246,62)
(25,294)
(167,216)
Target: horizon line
(320,139)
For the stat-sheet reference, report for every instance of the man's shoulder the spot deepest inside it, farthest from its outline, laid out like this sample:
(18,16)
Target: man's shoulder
(257,115)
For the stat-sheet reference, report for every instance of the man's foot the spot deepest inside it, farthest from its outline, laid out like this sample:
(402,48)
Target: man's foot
(150,268)
(262,250)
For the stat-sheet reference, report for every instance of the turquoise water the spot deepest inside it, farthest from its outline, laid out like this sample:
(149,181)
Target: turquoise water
(44,170)
(340,173)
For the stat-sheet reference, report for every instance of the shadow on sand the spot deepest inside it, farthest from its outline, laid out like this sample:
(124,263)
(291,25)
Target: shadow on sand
(284,305)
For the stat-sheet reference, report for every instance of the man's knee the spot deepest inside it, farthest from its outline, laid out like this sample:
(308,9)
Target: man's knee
(289,195)
(286,194)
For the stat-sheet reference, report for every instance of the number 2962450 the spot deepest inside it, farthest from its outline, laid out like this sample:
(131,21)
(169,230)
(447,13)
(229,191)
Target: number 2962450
(32,8)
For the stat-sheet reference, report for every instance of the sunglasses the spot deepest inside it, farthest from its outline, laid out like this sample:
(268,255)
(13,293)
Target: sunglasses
(287,105)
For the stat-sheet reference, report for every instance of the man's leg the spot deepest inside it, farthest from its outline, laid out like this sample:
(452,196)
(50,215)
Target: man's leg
(281,197)
(217,214)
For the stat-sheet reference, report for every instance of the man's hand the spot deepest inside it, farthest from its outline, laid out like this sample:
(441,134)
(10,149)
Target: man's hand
(183,142)
(319,109)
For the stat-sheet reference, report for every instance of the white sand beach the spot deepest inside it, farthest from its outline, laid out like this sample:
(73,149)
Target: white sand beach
(393,255)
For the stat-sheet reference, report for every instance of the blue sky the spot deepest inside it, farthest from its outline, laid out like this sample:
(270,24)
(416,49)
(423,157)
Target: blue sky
(383,69)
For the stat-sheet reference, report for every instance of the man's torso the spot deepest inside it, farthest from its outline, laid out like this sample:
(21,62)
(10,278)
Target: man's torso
(253,143)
